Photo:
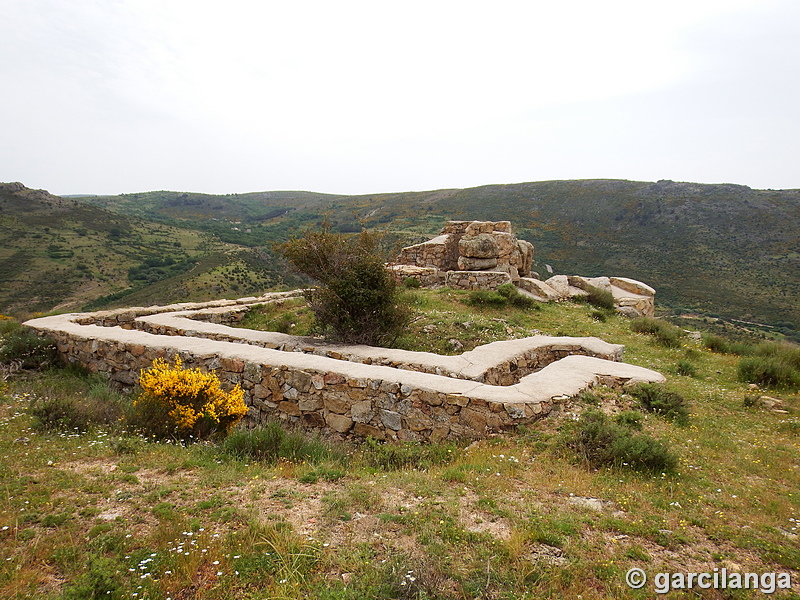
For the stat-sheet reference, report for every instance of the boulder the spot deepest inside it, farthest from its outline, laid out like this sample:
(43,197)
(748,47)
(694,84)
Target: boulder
(538,288)
(479,246)
(466,263)
(559,283)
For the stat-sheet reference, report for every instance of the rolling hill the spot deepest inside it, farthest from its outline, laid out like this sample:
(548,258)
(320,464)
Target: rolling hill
(724,249)
(62,254)
(720,249)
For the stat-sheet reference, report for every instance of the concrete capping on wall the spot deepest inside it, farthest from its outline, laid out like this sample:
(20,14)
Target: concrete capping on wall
(348,389)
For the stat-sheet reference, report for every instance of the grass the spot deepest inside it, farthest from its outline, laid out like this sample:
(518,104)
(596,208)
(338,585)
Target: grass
(83,513)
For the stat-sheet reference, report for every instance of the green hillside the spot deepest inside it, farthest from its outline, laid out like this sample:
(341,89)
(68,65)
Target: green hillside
(721,249)
(62,254)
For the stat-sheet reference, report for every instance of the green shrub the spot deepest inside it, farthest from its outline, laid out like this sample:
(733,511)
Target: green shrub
(357,301)
(513,296)
(101,579)
(686,368)
(486,298)
(768,371)
(716,343)
(786,353)
(632,419)
(411,283)
(272,442)
(505,295)
(722,345)
(23,346)
(602,443)
(665,334)
(656,399)
(600,298)
(99,406)
(8,325)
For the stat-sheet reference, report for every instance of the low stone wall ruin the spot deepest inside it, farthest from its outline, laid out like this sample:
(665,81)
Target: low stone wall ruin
(358,390)
(472,255)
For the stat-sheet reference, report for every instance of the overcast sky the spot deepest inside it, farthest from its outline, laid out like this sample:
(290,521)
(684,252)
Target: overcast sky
(113,96)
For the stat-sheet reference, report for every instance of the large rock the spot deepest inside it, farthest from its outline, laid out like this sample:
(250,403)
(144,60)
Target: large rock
(559,283)
(466,263)
(538,288)
(483,245)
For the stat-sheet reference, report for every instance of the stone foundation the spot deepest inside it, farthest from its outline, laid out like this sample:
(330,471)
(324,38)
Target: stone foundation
(353,390)
(473,255)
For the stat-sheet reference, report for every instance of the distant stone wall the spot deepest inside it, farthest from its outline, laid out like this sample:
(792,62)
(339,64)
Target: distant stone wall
(473,246)
(473,255)
(353,390)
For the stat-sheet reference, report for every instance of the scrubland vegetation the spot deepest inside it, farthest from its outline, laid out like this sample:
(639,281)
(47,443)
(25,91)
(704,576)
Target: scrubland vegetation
(690,476)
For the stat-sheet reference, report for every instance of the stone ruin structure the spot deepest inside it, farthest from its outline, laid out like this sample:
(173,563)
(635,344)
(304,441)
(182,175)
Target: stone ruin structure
(485,255)
(349,390)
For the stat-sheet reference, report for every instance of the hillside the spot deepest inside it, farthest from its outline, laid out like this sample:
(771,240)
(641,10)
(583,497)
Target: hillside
(722,249)
(278,512)
(62,254)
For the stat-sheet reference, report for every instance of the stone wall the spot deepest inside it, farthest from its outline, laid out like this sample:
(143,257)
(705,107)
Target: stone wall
(473,246)
(484,255)
(353,390)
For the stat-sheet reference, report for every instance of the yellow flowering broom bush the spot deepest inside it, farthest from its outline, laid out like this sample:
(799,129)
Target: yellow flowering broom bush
(182,402)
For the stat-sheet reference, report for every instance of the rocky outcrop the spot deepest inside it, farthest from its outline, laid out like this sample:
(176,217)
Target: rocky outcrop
(484,255)
(472,246)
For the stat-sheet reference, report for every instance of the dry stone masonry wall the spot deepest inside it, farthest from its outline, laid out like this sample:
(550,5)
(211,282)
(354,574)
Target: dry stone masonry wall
(473,255)
(353,390)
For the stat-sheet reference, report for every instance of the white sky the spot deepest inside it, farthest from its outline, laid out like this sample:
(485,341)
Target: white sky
(113,96)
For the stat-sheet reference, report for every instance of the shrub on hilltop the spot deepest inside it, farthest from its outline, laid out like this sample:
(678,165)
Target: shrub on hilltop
(358,299)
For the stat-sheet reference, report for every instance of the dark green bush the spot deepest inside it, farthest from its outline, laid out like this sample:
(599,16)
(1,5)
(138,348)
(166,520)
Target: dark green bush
(665,333)
(716,343)
(505,295)
(602,443)
(600,298)
(486,298)
(23,346)
(656,399)
(768,371)
(722,345)
(686,368)
(411,283)
(358,301)
(272,443)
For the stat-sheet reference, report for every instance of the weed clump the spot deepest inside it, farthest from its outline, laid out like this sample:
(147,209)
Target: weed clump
(656,399)
(23,347)
(600,298)
(272,443)
(505,295)
(601,442)
(185,403)
(686,368)
(390,457)
(664,333)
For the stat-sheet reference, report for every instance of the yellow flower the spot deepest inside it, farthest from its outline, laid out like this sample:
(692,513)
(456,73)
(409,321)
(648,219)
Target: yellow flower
(190,397)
